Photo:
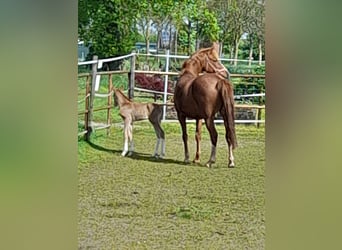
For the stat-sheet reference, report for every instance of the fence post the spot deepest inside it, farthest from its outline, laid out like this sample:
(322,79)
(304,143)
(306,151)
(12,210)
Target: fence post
(86,113)
(166,81)
(131,77)
(91,97)
(109,103)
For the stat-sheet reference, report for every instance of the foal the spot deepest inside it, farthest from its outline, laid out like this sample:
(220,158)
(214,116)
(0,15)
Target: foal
(133,111)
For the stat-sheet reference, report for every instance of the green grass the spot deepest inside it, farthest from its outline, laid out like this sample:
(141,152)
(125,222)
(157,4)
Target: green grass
(140,202)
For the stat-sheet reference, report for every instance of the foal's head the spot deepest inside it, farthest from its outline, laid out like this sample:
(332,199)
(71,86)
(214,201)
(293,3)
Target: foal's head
(119,97)
(207,60)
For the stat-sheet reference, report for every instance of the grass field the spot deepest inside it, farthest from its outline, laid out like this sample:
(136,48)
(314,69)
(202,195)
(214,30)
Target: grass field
(139,202)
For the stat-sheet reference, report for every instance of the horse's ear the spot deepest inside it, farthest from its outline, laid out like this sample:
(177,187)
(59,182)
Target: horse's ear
(213,55)
(216,46)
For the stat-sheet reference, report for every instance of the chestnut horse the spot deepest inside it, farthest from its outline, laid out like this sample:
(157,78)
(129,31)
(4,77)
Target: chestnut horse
(201,97)
(133,111)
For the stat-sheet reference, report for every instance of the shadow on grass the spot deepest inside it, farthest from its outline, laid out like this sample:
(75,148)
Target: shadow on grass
(150,158)
(137,155)
(100,148)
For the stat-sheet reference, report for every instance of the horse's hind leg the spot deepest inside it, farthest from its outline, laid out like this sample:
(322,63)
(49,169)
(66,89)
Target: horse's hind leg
(231,163)
(182,121)
(213,137)
(198,140)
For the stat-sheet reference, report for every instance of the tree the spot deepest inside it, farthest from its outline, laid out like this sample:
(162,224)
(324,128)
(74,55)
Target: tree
(195,23)
(107,26)
(237,17)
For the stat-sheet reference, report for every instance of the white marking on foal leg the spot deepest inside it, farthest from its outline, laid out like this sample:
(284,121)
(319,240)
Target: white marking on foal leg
(156,149)
(126,136)
(125,150)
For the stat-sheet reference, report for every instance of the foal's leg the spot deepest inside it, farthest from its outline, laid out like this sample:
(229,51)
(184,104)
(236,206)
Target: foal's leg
(130,139)
(126,135)
(198,140)
(213,137)
(182,121)
(160,140)
(155,119)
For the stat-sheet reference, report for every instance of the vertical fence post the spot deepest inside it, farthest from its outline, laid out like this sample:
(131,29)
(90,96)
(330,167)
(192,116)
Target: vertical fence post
(166,81)
(86,113)
(110,88)
(91,97)
(131,77)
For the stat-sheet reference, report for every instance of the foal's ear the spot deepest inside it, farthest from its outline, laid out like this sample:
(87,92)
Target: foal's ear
(213,55)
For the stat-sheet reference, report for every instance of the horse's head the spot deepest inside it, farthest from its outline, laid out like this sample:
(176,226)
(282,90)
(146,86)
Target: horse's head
(205,60)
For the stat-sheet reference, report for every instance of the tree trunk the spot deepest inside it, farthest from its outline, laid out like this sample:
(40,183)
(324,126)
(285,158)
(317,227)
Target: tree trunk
(147,37)
(260,52)
(220,50)
(197,40)
(231,56)
(170,38)
(189,38)
(175,41)
(237,42)
(250,55)
(147,43)
(158,40)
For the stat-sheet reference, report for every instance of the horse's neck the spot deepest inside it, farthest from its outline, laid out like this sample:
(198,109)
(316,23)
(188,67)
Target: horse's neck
(121,98)
(186,78)
(192,68)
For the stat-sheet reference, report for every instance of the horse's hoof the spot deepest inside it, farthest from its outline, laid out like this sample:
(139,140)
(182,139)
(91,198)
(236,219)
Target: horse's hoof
(196,161)
(186,161)
(123,154)
(208,164)
(130,153)
(231,165)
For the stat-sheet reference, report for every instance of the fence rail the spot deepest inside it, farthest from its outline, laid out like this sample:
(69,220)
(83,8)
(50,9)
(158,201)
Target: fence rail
(92,85)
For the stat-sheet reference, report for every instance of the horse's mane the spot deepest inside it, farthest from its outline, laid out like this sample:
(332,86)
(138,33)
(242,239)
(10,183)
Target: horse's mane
(200,51)
(192,57)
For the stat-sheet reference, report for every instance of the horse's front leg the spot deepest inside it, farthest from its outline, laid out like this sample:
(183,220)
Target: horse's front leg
(182,121)
(213,137)
(198,140)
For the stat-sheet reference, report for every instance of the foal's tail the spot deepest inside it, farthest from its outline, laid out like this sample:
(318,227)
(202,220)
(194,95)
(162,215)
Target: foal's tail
(227,94)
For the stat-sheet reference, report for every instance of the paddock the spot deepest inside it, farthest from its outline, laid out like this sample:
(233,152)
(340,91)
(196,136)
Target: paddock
(140,202)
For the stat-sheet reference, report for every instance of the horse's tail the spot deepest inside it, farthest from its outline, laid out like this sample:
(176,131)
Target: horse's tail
(227,94)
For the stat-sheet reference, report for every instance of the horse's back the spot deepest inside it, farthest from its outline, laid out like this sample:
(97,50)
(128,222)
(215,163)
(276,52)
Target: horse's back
(201,98)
